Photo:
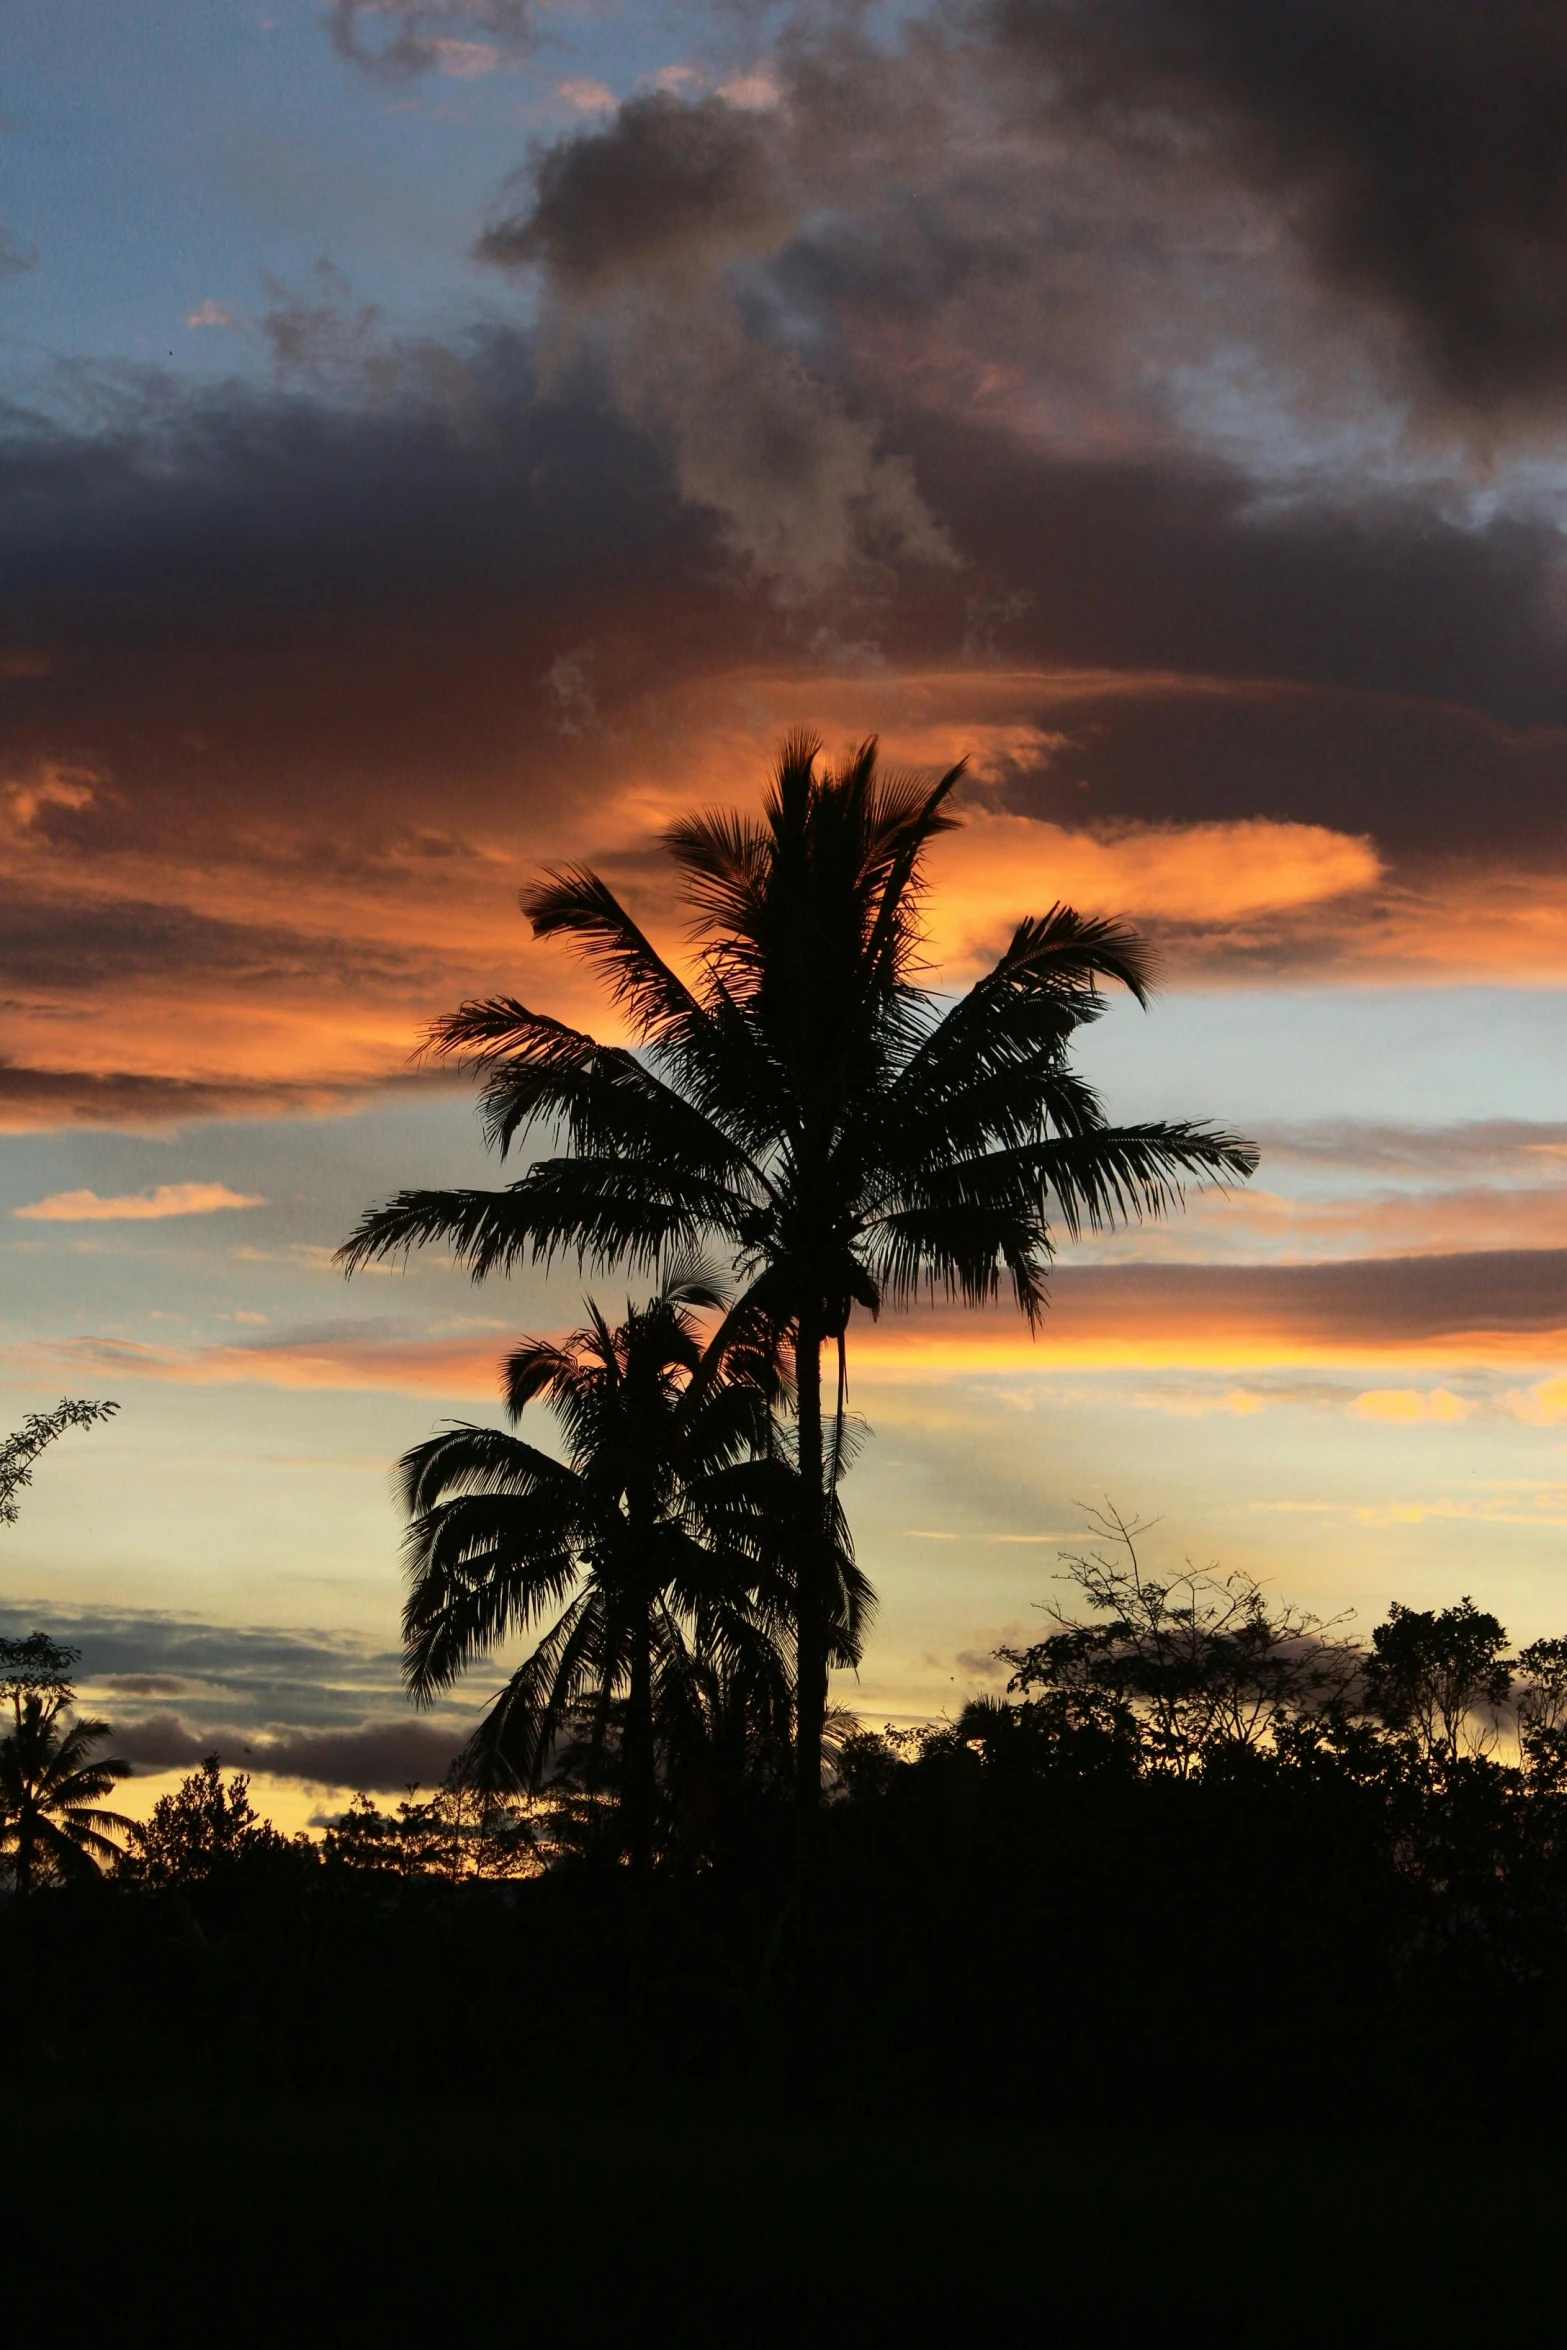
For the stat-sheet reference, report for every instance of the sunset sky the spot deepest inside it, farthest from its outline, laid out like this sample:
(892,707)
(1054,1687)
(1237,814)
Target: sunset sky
(446,436)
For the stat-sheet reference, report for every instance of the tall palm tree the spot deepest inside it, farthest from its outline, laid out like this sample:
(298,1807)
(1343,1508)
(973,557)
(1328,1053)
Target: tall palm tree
(804,1101)
(51,1790)
(652,1538)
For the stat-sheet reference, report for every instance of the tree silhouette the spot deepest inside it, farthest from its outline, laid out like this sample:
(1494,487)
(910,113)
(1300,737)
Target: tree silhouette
(809,1104)
(51,1785)
(460,1831)
(202,1829)
(20,1450)
(1440,1675)
(652,1538)
(1188,1666)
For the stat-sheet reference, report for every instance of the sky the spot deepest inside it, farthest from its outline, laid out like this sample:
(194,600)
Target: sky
(445,437)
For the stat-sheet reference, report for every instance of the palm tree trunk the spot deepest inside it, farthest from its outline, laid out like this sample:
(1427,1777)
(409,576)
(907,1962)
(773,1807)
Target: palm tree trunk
(638,1789)
(811,1626)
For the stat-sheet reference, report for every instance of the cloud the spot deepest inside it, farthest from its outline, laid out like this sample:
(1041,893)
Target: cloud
(586,96)
(1407,1406)
(358,1358)
(666,191)
(210,313)
(399,39)
(165,1199)
(1000,867)
(326,1708)
(271,653)
(380,1757)
(1415,152)
(637,219)
(1543,1405)
(1501,1307)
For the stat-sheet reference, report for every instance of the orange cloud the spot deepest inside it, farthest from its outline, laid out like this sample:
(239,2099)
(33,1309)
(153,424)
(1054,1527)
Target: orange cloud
(1503,1307)
(1544,1404)
(999,868)
(1507,1309)
(1405,1406)
(274,955)
(167,1199)
(445,1368)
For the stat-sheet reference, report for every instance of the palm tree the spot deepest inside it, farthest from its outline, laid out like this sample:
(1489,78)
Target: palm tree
(805,1102)
(652,1538)
(51,1789)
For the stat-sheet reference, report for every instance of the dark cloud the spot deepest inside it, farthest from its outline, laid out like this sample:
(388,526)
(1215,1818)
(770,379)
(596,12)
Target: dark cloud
(335,604)
(86,946)
(380,1757)
(283,628)
(1418,150)
(327,1708)
(85,1097)
(667,186)
(1376,1301)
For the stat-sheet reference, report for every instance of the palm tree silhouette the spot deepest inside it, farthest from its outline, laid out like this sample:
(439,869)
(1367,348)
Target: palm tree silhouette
(806,1102)
(51,1788)
(655,1533)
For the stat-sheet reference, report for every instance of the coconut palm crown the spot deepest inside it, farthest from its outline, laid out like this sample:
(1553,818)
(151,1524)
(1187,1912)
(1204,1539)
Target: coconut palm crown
(655,1539)
(52,1785)
(804,1101)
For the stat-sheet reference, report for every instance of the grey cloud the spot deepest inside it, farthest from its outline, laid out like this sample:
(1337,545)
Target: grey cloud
(804,489)
(1366,1299)
(83,946)
(256,1676)
(1506,1150)
(380,1757)
(667,190)
(327,1708)
(399,38)
(1417,150)
(145,1684)
(644,215)
(43,1097)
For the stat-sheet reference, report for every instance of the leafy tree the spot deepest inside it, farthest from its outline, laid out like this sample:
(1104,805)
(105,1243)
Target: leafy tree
(20,1450)
(202,1830)
(807,1103)
(51,1784)
(653,1538)
(1186,1667)
(1440,1676)
(1541,1700)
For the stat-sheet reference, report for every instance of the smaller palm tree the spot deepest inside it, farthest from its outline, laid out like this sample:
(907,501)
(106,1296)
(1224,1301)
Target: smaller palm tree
(656,1539)
(51,1790)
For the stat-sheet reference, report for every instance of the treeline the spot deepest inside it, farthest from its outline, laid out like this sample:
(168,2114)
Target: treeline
(1204,1855)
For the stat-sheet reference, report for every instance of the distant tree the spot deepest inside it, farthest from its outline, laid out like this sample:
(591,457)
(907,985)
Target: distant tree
(459,1832)
(1440,1677)
(20,1450)
(1540,1697)
(201,1830)
(52,1825)
(1184,1667)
